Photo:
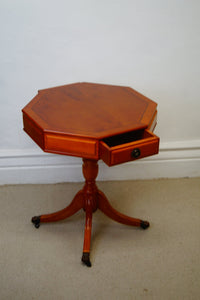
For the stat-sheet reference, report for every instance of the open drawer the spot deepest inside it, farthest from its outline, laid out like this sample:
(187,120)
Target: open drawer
(128,146)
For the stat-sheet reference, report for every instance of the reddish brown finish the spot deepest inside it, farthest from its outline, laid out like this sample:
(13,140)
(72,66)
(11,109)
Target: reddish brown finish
(34,131)
(112,213)
(61,144)
(92,121)
(75,205)
(113,155)
(92,110)
(90,190)
(88,232)
(73,119)
(90,198)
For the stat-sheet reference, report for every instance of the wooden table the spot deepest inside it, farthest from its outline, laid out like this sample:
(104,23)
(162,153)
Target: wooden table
(92,121)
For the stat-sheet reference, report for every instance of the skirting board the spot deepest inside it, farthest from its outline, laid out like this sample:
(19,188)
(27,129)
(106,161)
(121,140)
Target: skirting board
(176,159)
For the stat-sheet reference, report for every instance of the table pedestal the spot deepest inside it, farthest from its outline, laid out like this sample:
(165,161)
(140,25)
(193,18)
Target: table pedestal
(90,198)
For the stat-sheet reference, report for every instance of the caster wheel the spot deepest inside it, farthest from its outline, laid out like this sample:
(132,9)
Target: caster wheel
(36,221)
(144,224)
(37,225)
(86,259)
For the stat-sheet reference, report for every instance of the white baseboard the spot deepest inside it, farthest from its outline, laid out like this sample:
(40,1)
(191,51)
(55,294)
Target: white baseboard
(176,159)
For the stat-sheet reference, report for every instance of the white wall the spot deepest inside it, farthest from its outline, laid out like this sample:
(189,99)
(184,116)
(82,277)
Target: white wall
(150,45)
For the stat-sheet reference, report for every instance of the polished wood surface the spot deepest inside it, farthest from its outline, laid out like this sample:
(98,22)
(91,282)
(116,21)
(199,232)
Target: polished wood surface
(77,146)
(92,121)
(90,110)
(90,198)
(76,119)
(147,143)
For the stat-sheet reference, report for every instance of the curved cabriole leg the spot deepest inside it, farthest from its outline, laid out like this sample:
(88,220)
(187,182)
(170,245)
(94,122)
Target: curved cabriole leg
(87,239)
(108,210)
(72,208)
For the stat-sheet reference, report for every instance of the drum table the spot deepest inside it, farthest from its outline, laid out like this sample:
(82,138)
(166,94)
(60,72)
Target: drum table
(92,121)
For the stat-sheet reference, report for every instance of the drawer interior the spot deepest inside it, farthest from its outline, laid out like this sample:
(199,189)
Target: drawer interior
(126,137)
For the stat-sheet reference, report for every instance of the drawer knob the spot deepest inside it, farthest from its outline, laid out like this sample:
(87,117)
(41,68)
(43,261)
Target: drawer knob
(135,153)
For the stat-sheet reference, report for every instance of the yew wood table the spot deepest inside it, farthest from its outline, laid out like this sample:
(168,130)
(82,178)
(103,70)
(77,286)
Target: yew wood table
(92,121)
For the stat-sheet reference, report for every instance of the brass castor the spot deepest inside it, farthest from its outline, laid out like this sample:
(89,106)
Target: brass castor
(36,221)
(86,259)
(144,224)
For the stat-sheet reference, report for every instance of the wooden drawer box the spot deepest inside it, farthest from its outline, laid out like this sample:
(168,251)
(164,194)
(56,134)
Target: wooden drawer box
(128,146)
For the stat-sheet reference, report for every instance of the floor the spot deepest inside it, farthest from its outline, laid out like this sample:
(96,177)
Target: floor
(162,262)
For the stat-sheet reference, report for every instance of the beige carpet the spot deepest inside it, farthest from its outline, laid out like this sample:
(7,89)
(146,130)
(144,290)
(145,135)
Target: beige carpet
(162,262)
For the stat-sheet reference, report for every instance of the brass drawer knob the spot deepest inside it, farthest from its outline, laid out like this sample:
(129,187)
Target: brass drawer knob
(135,153)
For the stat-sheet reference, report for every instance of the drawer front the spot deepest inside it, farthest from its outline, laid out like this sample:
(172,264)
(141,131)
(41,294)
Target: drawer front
(133,153)
(129,151)
(74,146)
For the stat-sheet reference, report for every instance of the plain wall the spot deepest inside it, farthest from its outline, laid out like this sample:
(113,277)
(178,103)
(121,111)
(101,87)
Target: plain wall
(151,46)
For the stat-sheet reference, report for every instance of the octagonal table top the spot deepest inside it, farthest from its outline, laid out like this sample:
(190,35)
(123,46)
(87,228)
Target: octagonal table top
(90,110)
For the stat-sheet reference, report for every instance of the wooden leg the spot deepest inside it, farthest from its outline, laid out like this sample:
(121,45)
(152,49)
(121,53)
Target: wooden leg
(72,208)
(90,199)
(90,171)
(87,239)
(108,210)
